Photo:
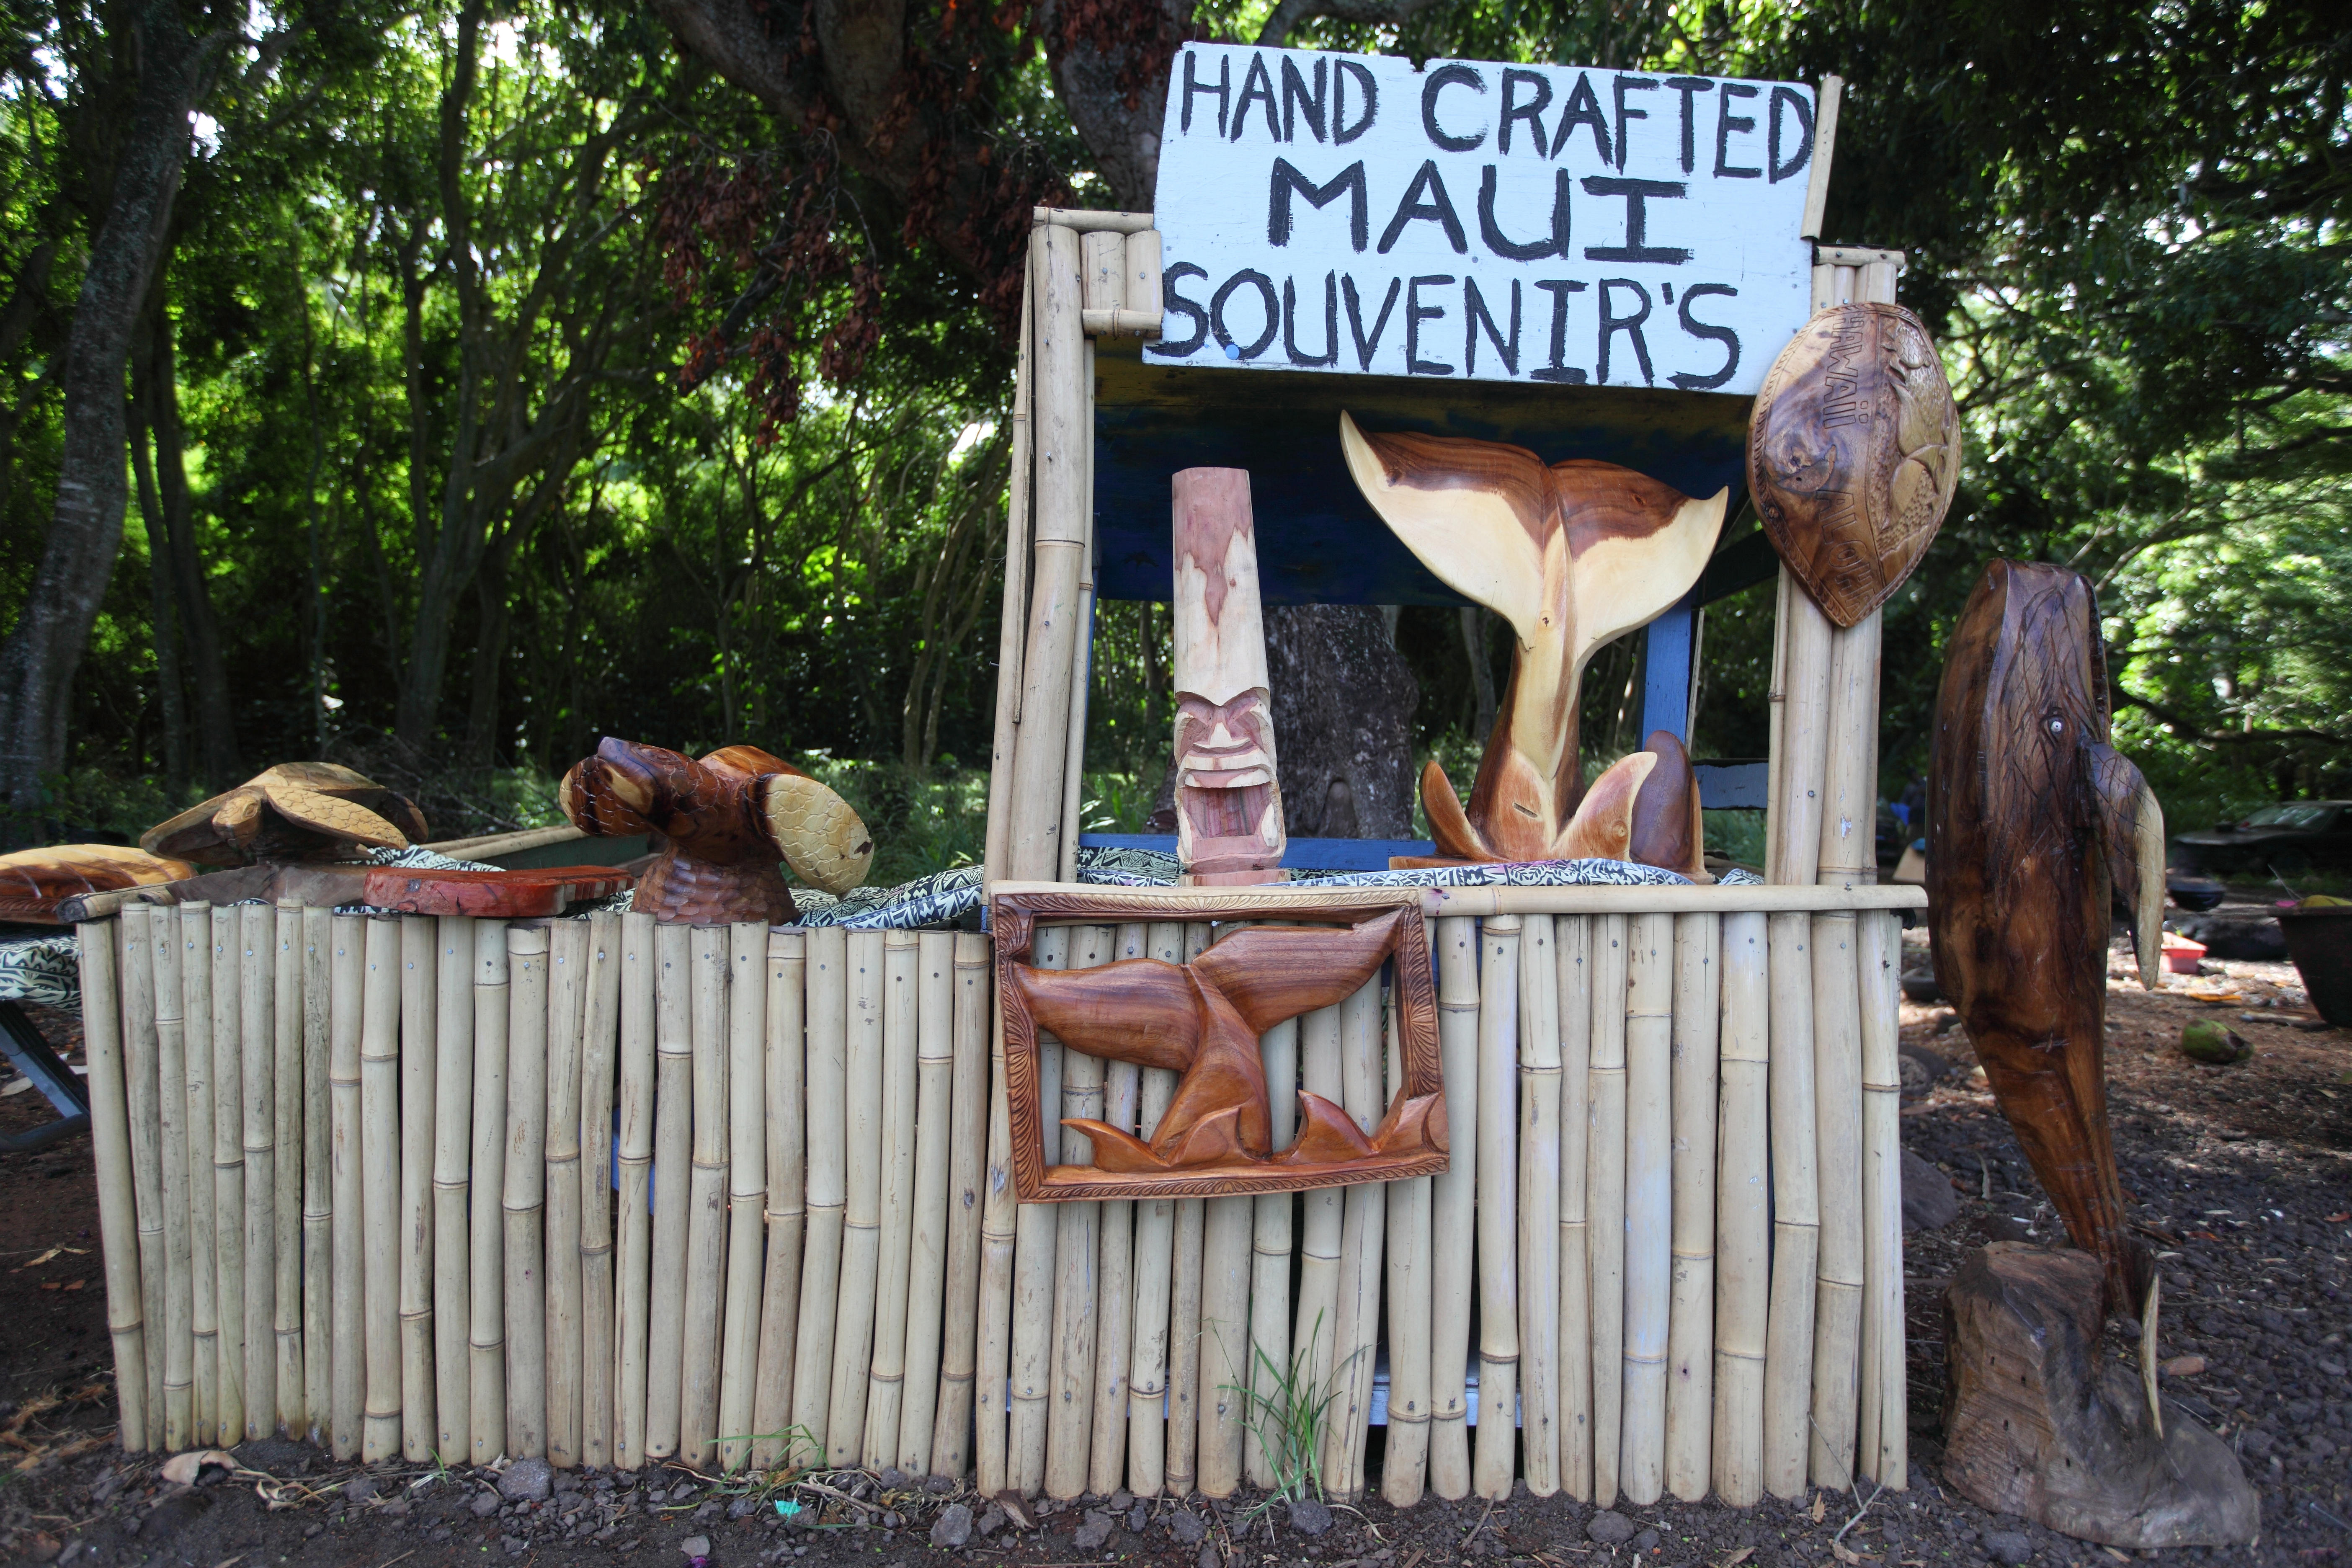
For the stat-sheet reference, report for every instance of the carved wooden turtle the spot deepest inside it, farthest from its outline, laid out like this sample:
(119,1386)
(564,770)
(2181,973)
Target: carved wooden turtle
(295,811)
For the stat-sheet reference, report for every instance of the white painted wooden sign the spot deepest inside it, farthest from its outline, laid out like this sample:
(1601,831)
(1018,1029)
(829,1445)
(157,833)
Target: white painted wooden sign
(1549,224)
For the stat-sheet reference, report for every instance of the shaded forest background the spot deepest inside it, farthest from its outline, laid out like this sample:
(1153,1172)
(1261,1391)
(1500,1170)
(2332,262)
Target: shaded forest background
(507,375)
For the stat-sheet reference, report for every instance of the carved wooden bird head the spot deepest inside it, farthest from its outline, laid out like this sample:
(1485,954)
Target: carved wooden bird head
(735,806)
(295,811)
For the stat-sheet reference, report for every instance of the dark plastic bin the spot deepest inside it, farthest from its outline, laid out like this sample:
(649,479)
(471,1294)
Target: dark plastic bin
(2320,942)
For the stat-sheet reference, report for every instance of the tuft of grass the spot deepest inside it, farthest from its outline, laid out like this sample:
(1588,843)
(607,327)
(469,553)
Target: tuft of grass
(1288,1418)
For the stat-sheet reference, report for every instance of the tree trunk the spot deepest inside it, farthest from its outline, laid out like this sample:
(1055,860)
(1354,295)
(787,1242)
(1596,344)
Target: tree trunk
(39,661)
(1475,621)
(165,622)
(1343,705)
(493,615)
(216,757)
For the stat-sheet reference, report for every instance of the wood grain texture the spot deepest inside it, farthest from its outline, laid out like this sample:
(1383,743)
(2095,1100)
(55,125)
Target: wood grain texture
(2033,820)
(1853,452)
(295,811)
(35,882)
(1228,822)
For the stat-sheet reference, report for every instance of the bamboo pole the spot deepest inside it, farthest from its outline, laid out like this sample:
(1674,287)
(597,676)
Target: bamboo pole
(1404,1459)
(255,948)
(171,1079)
(633,1299)
(229,1218)
(1150,1278)
(1069,1424)
(1361,1225)
(1082,655)
(523,1202)
(1188,1400)
(599,1046)
(453,1140)
(380,1187)
(1227,1227)
(1454,1210)
(1320,1235)
(348,987)
(926,1268)
(787,1214)
(1498,1207)
(1886,1456)
(317,1174)
(886,1387)
(671,1182)
(1269,1364)
(118,1217)
(1838,1165)
(747,1187)
(1035,1227)
(1012,618)
(567,1007)
(705,1229)
(1604,1192)
(861,1237)
(1115,1292)
(992,1341)
(1538,1239)
(1649,1201)
(486,1321)
(135,969)
(196,945)
(293,1409)
(1572,940)
(419,948)
(1743,1220)
(1690,1334)
(1796,1205)
(967,1186)
(828,1144)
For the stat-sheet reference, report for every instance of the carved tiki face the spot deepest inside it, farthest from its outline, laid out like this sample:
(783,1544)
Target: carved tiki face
(1227,803)
(1228,798)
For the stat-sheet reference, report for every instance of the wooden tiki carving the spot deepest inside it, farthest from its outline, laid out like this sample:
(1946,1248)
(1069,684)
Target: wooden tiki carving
(1572,554)
(2032,817)
(1229,825)
(1203,1019)
(721,824)
(295,811)
(1853,452)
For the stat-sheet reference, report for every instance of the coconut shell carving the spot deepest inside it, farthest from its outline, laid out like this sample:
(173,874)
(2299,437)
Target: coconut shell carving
(295,811)
(1853,452)
(721,824)
(33,882)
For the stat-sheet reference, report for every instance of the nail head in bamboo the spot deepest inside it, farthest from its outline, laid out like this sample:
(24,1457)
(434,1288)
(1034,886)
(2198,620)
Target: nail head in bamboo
(172,1077)
(1796,1205)
(1572,942)
(118,1219)
(380,1187)
(486,1331)
(1539,1200)
(747,1187)
(347,982)
(861,1238)
(1605,1185)
(787,1211)
(885,1388)
(599,1052)
(524,1201)
(1690,1336)
(633,1301)
(1649,1201)
(1363,1223)
(293,1416)
(257,952)
(967,1190)
(318,1172)
(1743,1223)
(1886,1457)
(229,1218)
(828,1144)
(453,1133)
(926,1268)
(204,1250)
(567,1007)
(706,1230)
(671,1182)
(135,977)
(1498,1207)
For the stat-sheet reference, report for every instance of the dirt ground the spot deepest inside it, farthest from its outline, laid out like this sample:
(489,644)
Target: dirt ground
(2242,1177)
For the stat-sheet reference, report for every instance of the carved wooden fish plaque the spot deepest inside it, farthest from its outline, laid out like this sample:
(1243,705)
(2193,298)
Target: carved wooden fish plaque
(1853,452)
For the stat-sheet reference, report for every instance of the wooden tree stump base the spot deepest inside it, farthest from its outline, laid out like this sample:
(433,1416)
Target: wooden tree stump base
(2036,1425)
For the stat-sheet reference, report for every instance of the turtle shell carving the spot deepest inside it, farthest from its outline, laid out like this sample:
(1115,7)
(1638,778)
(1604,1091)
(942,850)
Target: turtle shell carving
(1853,452)
(295,811)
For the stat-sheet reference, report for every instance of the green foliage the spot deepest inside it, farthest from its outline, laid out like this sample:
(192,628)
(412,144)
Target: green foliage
(1287,1411)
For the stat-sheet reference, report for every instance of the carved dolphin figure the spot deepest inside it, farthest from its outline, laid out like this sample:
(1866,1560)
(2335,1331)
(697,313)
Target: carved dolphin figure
(2034,823)
(1573,556)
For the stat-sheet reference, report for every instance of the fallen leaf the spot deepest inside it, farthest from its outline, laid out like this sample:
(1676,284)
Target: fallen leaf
(2119,1556)
(1839,1550)
(76,1284)
(44,1257)
(1821,1508)
(1736,1558)
(2338,1218)
(181,1469)
(50,1285)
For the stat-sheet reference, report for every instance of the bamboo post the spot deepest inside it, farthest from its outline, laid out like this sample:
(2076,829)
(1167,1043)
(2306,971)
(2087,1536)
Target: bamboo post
(1069,1423)
(1363,1223)
(967,1188)
(1538,1239)
(486,1320)
(1498,1207)
(1885,1394)
(787,1214)
(118,1217)
(633,1299)
(1035,1227)
(1269,1362)
(1649,1201)
(993,1343)
(524,1201)
(926,1268)
(1150,1281)
(599,1042)
(1572,944)
(452,1130)
(317,1174)
(828,1145)
(1404,1459)
(419,989)
(1321,1234)
(1013,620)
(705,1229)
(567,1007)
(380,1187)
(1115,1290)
(1690,1331)
(1454,1210)
(1604,1192)
(135,969)
(747,1187)
(1743,1220)
(1796,1204)
(1838,1165)
(1187,1402)
(861,1237)
(255,946)
(347,988)
(195,949)
(1082,655)
(671,1182)
(229,1218)
(171,1077)
(885,1388)
(1225,1238)
(293,1409)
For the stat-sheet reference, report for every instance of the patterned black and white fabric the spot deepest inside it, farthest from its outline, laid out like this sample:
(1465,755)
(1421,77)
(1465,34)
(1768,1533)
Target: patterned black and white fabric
(46,970)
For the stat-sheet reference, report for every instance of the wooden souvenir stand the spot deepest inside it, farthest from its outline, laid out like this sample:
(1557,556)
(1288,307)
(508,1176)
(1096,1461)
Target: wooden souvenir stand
(356,1183)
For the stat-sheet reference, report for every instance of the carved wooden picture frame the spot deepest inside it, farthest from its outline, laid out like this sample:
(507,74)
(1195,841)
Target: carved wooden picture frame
(1203,1018)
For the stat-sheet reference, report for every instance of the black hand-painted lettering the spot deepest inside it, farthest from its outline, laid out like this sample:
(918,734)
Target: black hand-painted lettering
(1414,314)
(1611,324)
(1438,209)
(1264,286)
(1532,112)
(1502,245)
(1288,181)
(1342,72)
(1559,288)
(1171,303)
(1222,93)
(1583,108)
(1789,98)
(1474,315)
(1689,87)
(1258,87)
(1726,124)
(1698,328)
(1637,220)
(1295,98)
(1367,347)
(1330,354)
(1439,80)
(1621,85)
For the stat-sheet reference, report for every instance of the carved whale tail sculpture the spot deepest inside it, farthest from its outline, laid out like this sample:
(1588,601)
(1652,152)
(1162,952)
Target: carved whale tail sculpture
(2034,822)
(1572,554)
